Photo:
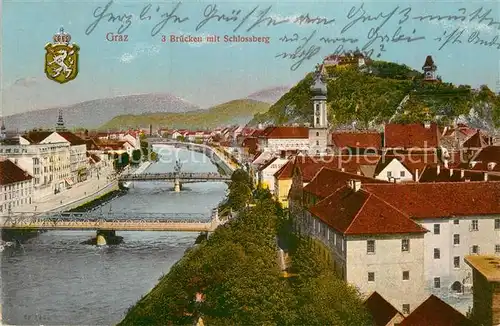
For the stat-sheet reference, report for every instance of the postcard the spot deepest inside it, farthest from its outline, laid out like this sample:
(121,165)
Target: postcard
(137,134)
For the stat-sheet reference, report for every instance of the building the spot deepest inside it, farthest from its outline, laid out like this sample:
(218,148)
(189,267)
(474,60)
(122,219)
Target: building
(16,186)
(429,69)
(386,256)
(486,278)
(420,136)
(266,172)
(319,133)
(77,149)
(277,139)
(48,163)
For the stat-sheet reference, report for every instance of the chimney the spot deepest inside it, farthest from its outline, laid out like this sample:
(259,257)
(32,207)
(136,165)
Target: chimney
(486,285)
(416,175)
(462,173)
(485,176)
(451,172)
(354,184)
(427,125)
(342,169)
(438,169)
(358,172)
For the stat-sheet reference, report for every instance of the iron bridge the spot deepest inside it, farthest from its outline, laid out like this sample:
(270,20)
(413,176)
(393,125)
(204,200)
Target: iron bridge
(183,177)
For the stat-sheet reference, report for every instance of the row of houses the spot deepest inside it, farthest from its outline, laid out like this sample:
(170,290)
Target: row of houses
(40,163)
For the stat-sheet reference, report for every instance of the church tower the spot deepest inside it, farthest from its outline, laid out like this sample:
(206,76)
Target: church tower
(60,122)
(318,134)
(3,130)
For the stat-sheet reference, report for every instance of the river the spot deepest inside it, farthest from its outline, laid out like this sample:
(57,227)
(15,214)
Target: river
(54,280)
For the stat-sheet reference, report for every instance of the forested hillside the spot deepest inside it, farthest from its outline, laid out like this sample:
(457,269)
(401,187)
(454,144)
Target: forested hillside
(372,98)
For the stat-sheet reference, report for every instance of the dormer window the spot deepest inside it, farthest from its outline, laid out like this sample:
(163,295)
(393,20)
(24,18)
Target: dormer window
(491,165)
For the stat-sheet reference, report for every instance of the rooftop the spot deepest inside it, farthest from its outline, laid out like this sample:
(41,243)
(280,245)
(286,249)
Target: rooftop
(435,312)
(487,265)
(381,310)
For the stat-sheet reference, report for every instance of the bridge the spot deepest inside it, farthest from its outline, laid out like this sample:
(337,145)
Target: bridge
(108,223)
(184,177)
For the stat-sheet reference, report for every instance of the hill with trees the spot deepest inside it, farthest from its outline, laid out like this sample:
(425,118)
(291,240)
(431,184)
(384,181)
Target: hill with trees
(233,112)
(237,275)
(369,99)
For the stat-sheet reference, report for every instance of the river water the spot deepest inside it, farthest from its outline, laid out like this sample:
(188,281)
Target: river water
(54,280)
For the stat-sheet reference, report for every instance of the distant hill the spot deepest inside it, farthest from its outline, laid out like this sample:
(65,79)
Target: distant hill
(367,99)
(92,114)
(233,112)
(269,95)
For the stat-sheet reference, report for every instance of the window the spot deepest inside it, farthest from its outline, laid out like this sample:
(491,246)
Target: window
(402,174)
(475,249)
(406,275)
(317,134)
(437,282)
(497,249)
(317,142)
(389,174)
(456,239)
(437,253)
(370,246)
(456,222)
(405,245)
(475,225)
(456,262)
(371,277)
(497,224)
(437,229)
(406,308)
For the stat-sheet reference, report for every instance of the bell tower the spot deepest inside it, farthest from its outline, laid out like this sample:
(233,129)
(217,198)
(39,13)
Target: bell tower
(318,134)
(60,122)
(429,69)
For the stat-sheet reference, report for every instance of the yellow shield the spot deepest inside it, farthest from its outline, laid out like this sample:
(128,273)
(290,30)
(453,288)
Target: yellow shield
(61,62)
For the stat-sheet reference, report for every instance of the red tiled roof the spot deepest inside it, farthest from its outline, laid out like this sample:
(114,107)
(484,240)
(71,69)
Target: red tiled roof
(438,200)
(453,175)
(35,137)
(286,171)
(381,310)
(488,154)
(327,181)
(265,165)
(435,312)
(476,140)
(361,212)
(414,135)
(357,140)
(72,138)
(251,143)
(285,133)
(11,173)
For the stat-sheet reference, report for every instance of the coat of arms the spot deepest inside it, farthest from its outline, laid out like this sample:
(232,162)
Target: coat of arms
(61,58)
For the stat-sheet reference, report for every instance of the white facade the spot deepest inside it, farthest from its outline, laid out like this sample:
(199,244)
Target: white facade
(318,135)
(15,194)
(78,155)
(266,175)
(395,170)
(454,239)
(49,164)
(277,145)
(395,266)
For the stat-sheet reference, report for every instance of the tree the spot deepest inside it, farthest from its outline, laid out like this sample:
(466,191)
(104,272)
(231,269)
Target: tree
(136,156)
(239,195)
(242,176)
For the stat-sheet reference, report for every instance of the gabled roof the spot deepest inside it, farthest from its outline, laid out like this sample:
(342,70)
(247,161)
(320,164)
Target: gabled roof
(410,161)
(440,200)
(285,133)
(488,154)
(357,139)
(435,312)
(251,143)
(414,135)
(265,165)
(286,171)
(11,173)
(71,138)
(477,140)
(328,180)
(381,310)
(361,213)
(35,137)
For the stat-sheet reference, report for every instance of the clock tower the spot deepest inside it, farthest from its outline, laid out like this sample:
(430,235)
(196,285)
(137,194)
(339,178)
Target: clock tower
(318,134)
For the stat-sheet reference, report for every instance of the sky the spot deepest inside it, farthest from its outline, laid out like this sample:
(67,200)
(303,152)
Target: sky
(211,73)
